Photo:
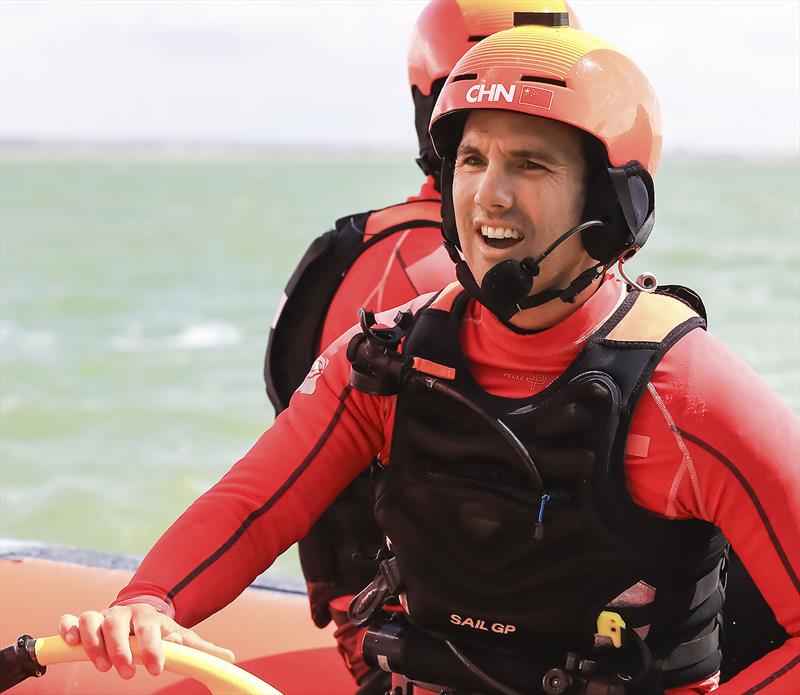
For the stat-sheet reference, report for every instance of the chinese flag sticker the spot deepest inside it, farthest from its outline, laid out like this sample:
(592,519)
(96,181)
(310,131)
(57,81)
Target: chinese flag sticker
(536,96)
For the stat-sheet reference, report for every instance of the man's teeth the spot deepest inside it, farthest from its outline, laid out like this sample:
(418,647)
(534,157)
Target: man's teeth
(500,233)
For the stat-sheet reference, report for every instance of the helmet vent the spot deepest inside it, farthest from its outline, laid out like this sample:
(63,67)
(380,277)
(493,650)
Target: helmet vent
(545,80)
(542,19)
(465,76)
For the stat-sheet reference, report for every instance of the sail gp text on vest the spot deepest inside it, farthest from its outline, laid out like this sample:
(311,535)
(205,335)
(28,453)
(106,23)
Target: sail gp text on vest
(528,95)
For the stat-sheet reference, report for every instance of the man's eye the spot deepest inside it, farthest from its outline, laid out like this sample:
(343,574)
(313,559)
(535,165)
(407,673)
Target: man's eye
(528,164)
(471,161)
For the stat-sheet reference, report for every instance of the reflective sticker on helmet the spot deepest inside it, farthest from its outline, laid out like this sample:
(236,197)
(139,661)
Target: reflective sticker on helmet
(492,92)
(309,385)
(536,96)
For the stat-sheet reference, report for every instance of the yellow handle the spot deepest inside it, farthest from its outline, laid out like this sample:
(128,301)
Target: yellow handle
(217,675)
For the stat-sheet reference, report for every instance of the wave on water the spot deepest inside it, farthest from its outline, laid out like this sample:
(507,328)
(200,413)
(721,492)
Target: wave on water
(200,336)
(9,404)
(12,335)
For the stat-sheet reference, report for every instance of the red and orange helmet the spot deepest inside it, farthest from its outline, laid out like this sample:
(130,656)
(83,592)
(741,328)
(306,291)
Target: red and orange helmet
(559,73)
(556,72)
(446,30)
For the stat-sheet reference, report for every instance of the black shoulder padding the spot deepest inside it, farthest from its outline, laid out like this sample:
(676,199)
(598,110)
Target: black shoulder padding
(686,295)
(294,338)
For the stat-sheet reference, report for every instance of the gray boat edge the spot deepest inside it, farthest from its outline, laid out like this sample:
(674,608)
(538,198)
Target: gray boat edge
(12,549)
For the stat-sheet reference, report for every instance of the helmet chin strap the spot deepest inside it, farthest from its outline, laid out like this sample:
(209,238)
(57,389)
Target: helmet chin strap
(506,287)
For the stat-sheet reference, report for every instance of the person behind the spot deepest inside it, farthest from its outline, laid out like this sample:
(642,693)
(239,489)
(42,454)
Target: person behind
(563,454)
(378,259)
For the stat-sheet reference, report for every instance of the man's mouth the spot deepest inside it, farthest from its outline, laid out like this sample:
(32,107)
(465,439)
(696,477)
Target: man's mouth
(500,237)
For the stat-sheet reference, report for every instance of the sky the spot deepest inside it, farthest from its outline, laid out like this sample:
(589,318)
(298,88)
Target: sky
(334,73)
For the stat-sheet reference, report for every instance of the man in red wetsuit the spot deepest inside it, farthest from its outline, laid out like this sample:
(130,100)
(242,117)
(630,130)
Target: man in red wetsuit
(563,456)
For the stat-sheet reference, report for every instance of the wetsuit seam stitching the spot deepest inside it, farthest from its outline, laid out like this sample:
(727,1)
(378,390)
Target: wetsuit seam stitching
(631,344)
(400,227)
(381,286)
(404,267)
(251,518)
(688,461)
(754,499)
(773,677)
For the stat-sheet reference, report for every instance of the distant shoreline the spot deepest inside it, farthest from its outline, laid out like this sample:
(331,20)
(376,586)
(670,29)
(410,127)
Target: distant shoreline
(32,150)
(21,150)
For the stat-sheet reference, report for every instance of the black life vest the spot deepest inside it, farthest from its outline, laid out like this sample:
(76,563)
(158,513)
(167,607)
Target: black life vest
(348,527)
(461,511)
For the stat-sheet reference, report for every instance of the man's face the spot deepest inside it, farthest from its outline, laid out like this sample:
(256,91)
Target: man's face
(522,178)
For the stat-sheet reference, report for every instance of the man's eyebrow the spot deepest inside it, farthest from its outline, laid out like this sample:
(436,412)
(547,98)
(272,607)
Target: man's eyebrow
(537,154)
(467,149)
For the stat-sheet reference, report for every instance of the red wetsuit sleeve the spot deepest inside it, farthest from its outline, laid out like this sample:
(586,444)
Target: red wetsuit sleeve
(737,466)
(268,500)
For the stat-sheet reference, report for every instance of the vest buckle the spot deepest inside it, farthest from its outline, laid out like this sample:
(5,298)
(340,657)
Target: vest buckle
(377,367)
(372,597)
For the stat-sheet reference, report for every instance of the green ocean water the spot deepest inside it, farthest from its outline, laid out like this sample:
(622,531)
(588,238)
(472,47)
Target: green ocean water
(135,300)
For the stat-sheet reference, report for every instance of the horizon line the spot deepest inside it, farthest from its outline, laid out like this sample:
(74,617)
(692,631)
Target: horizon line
(188,147)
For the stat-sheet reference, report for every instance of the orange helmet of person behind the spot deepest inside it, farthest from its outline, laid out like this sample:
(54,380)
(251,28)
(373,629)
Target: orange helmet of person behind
(557,72)
(446,30)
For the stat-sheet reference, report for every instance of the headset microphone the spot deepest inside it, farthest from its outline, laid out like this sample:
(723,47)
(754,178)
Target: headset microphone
(508,282)
(507,285)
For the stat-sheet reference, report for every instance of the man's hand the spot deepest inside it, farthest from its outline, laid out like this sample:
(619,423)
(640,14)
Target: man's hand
(104,636)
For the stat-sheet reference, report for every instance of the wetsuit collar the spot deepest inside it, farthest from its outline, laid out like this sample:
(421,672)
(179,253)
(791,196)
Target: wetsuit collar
(564,336)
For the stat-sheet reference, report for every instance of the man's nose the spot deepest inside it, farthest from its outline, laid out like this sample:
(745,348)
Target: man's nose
(494,191)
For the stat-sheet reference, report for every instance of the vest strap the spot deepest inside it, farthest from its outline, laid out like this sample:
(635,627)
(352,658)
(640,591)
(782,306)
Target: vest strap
(690,653)
(706,586)
(704,589)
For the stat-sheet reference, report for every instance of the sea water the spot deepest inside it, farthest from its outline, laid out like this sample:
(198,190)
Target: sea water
(136,297)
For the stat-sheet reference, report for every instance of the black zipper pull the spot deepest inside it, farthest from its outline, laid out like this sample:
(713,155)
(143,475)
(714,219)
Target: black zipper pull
(538,529)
